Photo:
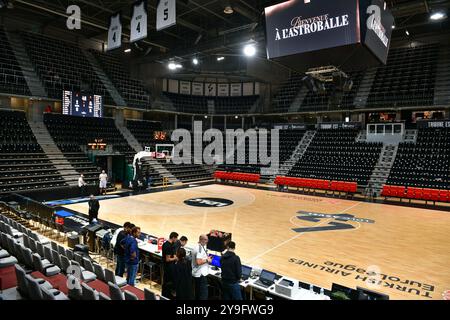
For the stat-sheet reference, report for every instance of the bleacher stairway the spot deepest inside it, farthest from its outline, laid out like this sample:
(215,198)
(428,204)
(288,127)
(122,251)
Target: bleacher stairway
(364,89)
(67,171)
(28,70)
(382,169)
(132,141)
(296,104)
(105,80)
(296,155)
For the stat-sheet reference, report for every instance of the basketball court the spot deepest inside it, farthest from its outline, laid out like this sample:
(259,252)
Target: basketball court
(313,239)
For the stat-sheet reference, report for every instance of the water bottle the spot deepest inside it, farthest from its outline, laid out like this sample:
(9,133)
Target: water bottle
(311,287)
(321,291)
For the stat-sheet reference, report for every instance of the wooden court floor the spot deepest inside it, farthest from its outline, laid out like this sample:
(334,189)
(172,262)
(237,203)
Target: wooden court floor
(401,251)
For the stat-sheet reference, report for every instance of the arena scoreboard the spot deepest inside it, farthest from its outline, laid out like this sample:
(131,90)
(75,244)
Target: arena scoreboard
(82,104)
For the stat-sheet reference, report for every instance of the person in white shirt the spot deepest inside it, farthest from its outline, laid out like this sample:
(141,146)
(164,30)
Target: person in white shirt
(103,177)
(200,268)
(81,185)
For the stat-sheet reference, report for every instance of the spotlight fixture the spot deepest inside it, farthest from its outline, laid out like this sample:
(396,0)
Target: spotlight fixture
(249,50)
(195,61)
(228,9)
(127,50)
(220,58)
(393,26)
(438,15)
(407,32)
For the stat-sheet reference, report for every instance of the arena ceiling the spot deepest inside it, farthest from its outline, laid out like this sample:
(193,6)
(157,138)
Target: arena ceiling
(203,28)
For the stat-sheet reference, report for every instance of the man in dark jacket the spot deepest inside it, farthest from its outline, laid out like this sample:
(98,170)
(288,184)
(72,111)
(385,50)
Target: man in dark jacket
(231,274)
(94,206)
(119,251)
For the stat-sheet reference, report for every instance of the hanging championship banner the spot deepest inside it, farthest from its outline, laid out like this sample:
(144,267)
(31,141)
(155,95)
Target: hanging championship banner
(114,32)
(166,15)
(139,21)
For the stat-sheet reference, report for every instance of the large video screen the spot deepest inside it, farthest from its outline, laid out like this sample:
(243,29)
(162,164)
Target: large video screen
(296,26)
(82,105)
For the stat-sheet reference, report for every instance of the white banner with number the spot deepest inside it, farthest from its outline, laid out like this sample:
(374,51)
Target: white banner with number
(114,32)
(185,87)
(166,14)
(139,21)
(197,88)
(236,89)
(223,90)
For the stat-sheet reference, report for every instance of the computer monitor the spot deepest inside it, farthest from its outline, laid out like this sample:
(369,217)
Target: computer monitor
(246,271)
(366,294)
(215,261)
(267,276)
(339,292)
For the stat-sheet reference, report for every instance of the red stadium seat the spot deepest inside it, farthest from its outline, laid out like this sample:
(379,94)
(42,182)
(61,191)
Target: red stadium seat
(443,195)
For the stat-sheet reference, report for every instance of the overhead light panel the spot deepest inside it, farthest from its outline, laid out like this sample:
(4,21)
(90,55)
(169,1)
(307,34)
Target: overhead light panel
(220,58)
(228,9)
(249,50)
(195,61)
(438,15)
(127,50)
(407,32)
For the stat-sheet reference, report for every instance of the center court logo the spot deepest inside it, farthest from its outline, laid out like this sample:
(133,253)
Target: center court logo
(227,147)
(208,202)
(339,221)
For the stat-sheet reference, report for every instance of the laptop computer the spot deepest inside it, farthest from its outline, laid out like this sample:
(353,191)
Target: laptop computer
(215,262)
(246,271)
(266,278)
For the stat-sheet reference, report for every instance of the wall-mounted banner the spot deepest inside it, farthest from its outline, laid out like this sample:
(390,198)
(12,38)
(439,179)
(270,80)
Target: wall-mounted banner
(248,88)
(223,89)
(173,86)
(298,26)
(139,21)
(185,87)
(339,125)
(197,88)
(236,89)
(114,32)
(210,89)
(423,124)
(166,14)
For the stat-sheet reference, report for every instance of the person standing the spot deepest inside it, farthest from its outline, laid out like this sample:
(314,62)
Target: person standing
(103,177)
(231,274)
(81,185)
(132,254)
(94,206)
(183,276)
(119,250)
(200,268)
(169,258)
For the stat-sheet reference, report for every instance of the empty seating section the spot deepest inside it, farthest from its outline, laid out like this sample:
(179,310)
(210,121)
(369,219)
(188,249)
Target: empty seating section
(213,105)
(11,76)
(411,193)
(143,131)
(187,172)
(237,176)
(23,164)
(335,155)
(68,132)
(288,141)
(424,164)
(313,184)
(132,90)
(62,66)
(287,93)
(407,79)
